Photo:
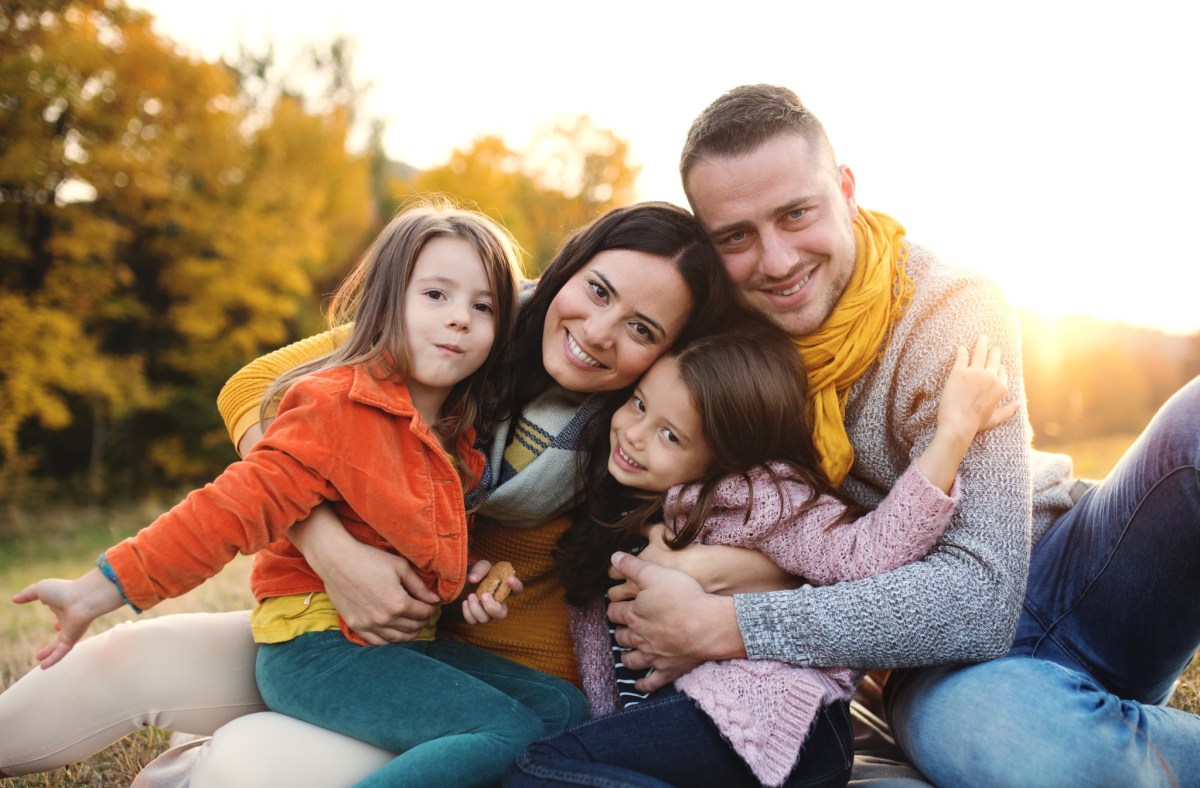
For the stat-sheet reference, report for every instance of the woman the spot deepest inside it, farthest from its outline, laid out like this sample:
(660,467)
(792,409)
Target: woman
(620,292)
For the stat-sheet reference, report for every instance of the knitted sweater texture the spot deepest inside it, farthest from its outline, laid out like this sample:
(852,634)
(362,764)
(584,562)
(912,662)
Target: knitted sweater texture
(765,708)
(960,603)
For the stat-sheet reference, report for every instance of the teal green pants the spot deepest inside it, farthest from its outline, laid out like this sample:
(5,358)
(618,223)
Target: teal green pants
(455,714)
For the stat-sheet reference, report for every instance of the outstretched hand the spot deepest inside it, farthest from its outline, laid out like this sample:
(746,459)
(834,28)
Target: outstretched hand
(671,624)
(76,604)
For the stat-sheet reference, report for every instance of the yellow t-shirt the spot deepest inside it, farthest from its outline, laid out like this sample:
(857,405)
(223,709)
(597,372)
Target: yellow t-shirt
(279,619)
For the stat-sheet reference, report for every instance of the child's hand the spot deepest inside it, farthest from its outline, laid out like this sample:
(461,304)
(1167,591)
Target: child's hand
(482,608)
(76,604)
(971,399)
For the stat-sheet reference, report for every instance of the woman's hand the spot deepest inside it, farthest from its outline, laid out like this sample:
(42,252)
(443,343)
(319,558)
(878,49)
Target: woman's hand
(76,604)
(377,594)
(719,569)
(480,609)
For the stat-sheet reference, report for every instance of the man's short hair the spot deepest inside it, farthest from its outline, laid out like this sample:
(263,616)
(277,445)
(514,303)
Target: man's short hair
(745,118)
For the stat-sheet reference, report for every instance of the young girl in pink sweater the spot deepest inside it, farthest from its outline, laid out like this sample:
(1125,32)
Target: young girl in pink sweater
(716,440)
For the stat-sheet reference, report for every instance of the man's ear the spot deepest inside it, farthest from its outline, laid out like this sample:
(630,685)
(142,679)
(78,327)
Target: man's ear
(848,189)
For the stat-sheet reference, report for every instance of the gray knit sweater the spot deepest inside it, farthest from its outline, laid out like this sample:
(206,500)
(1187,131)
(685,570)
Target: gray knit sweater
(961,602)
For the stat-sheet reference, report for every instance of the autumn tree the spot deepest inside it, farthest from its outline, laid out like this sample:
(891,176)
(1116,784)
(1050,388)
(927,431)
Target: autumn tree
(157,229)
(571,173)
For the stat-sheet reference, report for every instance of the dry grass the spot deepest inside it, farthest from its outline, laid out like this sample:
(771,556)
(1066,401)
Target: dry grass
(67,541)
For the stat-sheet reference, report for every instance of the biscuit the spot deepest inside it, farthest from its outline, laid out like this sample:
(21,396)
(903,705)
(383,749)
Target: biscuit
(496,581)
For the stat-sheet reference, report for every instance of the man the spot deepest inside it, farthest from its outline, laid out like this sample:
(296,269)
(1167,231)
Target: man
(1112,612)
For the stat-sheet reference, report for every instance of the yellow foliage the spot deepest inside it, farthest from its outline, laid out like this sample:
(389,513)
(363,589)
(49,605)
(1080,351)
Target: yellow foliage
(572,173)
(47,356)
(156,230)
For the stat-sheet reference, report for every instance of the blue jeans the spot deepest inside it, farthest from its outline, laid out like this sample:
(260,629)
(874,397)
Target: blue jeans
(457,714)
(667,740)
(1111,618)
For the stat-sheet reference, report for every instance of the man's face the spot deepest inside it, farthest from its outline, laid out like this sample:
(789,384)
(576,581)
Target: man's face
(782,219)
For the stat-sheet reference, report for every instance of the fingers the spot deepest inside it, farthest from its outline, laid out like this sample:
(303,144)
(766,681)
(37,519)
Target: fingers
(655,532)
(979,357)
(633,568)
(479,571)
(656,680)
(994,357)
(621,613)
(961,358)
(635,660)
(480,609)
(371,638)
(53,652)
(472,611)
(516,585)
(389,624)
(400,631)
(623,592)
(414,585)
(26,594)
(1002,414)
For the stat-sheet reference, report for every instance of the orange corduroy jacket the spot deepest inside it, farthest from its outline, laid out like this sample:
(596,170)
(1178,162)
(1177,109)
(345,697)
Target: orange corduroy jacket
(342,436)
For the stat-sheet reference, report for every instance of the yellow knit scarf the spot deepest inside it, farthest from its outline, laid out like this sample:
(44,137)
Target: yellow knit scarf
(856,333)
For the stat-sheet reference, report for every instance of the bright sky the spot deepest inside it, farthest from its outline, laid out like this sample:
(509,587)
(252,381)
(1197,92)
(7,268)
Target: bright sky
(1051,145)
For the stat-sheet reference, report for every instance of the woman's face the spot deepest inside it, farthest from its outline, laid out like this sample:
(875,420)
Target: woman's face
(612,319)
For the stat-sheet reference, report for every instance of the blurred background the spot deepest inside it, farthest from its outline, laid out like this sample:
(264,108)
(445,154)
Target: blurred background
(183,184)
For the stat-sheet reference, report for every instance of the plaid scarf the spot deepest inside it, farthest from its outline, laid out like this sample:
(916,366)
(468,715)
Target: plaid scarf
(531,474)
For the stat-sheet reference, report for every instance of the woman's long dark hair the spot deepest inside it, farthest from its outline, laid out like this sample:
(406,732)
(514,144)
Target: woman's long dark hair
(656,228)
(750,389)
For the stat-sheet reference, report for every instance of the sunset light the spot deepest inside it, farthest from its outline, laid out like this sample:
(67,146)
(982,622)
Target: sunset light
(1049,145)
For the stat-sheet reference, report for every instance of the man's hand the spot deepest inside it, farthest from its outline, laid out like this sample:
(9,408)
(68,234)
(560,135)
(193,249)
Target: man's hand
(672,625)
(76,604)
(377,594)
(719,569)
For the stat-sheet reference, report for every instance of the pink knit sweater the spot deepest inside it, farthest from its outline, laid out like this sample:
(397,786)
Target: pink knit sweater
(765,708)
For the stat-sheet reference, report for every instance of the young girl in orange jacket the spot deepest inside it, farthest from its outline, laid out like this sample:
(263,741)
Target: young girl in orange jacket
(382,429)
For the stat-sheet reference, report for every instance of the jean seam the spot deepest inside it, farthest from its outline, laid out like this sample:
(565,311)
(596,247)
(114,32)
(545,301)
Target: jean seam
(573,778)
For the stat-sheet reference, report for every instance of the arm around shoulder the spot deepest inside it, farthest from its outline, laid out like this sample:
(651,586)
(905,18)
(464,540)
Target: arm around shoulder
(241,397)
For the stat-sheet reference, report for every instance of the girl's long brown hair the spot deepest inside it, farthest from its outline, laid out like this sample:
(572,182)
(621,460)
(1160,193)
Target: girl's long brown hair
(370,303)
(749,386)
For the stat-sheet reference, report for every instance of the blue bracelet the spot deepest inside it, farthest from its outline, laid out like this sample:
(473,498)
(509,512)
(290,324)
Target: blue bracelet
(107,570)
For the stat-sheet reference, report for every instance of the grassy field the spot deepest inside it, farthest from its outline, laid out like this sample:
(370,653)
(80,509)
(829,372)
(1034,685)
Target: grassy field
(64,543)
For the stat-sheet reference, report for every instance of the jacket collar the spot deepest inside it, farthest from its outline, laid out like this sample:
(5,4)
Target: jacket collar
(387,394)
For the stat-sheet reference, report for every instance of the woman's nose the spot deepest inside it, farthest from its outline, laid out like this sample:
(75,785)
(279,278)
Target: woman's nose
(599,330)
